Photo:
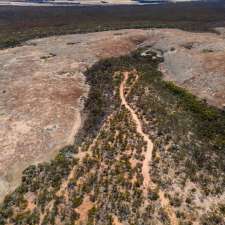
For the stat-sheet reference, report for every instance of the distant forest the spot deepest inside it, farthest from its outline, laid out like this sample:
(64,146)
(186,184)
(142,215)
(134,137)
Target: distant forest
(18,24)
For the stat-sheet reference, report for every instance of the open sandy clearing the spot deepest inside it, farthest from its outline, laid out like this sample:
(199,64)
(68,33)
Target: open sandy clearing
(42,83)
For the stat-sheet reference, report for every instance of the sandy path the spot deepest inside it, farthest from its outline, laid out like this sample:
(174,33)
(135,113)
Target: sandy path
(148,156)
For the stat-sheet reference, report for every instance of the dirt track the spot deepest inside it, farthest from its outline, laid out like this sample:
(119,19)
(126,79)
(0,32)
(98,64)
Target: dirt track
(148,156)
(149,144)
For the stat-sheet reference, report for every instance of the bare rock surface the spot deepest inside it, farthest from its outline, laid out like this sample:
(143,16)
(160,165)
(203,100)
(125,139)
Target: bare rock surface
(194,61)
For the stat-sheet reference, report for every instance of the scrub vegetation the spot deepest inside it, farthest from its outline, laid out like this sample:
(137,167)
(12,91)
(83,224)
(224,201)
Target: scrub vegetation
(100,177)
(19,24)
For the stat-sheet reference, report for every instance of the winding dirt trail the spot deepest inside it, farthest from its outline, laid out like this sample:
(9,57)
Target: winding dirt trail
(148,156)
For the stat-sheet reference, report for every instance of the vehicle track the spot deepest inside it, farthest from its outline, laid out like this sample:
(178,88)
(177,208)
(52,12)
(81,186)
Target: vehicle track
(148,156)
